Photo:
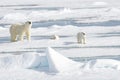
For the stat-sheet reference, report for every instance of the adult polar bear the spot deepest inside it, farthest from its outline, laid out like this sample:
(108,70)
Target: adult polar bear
(17,31)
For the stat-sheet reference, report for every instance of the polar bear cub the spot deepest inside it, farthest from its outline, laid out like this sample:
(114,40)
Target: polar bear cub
(17,31)
(81,37)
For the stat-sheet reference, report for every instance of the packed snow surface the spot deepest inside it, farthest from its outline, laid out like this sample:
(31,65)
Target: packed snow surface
(45,59)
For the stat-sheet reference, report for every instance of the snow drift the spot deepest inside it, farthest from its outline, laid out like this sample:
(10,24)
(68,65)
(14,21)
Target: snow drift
(54,62)
(100,3)
(107,63)
(59,63)
(28,60)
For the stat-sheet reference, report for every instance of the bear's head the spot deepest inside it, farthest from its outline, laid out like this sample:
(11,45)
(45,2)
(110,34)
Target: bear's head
(28,22)
(83,33)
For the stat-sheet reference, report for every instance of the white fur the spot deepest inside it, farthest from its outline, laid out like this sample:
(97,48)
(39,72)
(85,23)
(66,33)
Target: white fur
(81,37)
(17,31)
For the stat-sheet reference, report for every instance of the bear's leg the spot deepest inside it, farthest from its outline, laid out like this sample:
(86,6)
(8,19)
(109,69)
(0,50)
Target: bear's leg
(20,38)
(84,41)
(79,40)
(28,35)
(13,37)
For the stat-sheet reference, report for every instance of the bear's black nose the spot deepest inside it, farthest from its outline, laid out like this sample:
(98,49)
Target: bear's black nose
(29,22)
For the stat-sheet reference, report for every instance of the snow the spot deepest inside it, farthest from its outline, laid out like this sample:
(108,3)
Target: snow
(59,63)
(31,66)
(19,61)
(99,3)
(76,15)
(107,63)
(15,17)
(63,59)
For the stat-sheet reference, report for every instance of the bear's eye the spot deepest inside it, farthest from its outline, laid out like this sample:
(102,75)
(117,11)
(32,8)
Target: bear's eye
(83,33)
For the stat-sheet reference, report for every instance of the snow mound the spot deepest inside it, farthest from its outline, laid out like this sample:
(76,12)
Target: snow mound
(59,63)
(113,10)
(50,15)
(28,60)
(107,63)
(100,3)
(65,10)
(54,61)
(103,64)
(15,17)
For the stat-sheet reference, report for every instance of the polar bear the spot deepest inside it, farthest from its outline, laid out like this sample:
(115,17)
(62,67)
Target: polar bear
(55,37)
(81,37)
(17,31)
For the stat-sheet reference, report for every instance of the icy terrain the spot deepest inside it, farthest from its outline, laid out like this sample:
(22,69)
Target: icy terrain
(46,59)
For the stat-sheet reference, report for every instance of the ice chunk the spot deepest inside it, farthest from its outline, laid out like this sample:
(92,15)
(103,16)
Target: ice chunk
(59,63)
